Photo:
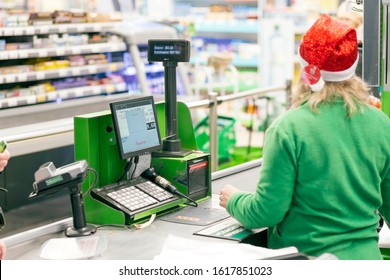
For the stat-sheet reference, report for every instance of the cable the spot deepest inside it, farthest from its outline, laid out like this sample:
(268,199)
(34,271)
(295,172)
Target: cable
(94,181)
(135,161)
(113,225)
(126,169)
(192,202)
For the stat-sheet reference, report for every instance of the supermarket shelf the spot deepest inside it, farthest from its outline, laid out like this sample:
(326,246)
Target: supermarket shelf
(227,26)
(62,95)
(61,51)
(58,28)
(237,62)
(60,73)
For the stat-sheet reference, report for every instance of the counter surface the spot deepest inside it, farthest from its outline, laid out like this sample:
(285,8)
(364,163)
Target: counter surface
(131,244)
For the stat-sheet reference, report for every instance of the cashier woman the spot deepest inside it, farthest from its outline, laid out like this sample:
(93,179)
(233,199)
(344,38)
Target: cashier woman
(4,157)
(326,161)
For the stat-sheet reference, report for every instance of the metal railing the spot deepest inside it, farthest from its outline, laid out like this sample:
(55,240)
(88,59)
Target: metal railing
(57,127)
(214,100)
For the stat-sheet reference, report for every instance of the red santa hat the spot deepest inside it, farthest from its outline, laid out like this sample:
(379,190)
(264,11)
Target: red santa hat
(328,52)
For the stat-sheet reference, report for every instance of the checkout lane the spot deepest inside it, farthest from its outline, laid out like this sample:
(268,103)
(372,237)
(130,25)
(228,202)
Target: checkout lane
(146,243)
(133,244)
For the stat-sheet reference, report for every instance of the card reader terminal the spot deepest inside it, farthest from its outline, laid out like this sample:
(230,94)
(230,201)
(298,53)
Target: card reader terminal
(48,178)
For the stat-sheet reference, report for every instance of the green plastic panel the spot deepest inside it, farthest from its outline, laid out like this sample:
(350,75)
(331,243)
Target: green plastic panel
(95,142)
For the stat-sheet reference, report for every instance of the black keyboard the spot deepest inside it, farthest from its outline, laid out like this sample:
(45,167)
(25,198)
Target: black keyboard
(133,196)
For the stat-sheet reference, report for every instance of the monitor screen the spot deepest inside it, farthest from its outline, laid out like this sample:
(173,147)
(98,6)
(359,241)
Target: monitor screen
(135,126)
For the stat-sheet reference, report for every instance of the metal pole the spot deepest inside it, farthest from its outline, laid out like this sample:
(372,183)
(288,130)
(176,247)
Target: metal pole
(213,130)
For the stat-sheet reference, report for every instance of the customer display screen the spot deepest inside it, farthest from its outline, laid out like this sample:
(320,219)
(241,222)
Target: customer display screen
(136,127)
(177,50)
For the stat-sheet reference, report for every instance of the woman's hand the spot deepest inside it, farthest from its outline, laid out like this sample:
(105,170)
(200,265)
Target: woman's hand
(2,250)
(225,194)
(4,157)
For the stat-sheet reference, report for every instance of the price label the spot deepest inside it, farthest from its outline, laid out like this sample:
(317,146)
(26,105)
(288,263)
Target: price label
(13,54)
(62,28)
(31,99)
(42,53)
(110,88)
(76,50)
(80,28)
(96,90)
(18,31)
(22,77)
(29,30)
(60,51)
(76,71)
(92,69)
(12,102)
(63,94)
(10,78)
(23,53)
(79,92)
(8,31)
(44,29)
(40,75)
(52,95)
(63,72)
(113,67)
(121,87)
(41,98)
(3,55)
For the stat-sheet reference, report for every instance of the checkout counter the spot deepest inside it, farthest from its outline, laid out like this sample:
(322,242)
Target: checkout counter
(146,243)
(136,244)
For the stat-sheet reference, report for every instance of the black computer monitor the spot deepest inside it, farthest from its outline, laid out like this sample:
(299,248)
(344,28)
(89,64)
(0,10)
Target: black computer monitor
(135,126)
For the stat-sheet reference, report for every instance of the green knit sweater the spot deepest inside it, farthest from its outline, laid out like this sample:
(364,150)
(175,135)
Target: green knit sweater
(323,178)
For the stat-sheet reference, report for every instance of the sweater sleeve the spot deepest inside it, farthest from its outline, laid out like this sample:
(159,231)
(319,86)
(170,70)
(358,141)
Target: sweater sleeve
(385,208)
(272,199)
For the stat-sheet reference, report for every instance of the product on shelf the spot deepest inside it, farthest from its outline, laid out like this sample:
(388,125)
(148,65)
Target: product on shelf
(98,38)
(103,17)
(79,17)
(77,60)
(70,83)
(41,18)
(95,59)
(60,17)
(16,69)
(16,18)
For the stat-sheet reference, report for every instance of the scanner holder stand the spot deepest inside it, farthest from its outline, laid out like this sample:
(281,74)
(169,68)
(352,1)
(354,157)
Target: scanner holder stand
(80,227)
(50,180)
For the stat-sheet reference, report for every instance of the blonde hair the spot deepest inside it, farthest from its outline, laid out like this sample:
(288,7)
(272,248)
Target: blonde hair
(353,91)
(349,12)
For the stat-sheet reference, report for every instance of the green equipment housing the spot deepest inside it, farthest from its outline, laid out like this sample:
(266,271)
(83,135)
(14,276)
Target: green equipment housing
(95,142)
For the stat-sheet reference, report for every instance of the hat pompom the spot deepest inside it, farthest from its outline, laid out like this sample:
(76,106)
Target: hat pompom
(311,75)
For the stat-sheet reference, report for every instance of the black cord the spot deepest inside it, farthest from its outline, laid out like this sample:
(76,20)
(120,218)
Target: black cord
(94,181)
(113,225)
(136,160)
(126,169)
(192,202)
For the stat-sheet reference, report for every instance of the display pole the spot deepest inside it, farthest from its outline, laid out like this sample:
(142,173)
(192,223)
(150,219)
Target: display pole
(172,142)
